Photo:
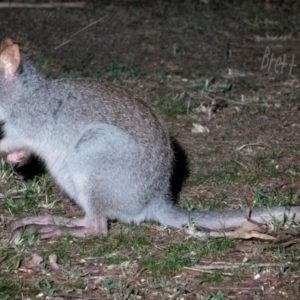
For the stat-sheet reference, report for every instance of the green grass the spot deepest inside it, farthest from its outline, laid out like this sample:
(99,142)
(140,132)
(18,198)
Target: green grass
(240,169)
(216,296)
(110,249)
(72,66)
(201,203)
(12,288)
(81,66)
(115,260)
(24,198)
(171,109)
(271,199)
(215,276)
(122,71)
(184,254)
(119,289)
(44,286)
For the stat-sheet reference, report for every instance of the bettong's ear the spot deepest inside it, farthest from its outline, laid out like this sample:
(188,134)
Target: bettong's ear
(5,43)
(9,58)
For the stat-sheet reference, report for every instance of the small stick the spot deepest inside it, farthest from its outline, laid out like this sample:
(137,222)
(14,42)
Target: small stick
(231,266)
(237,102)
(235,288)
(42,5)
(74,296)
(250,145)
(68,41)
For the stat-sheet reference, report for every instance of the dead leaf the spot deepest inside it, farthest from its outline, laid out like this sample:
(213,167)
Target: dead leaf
(259,226)
(31,263)
(249,230)
(251,225)
(246,246)
(198,128)
(53,262)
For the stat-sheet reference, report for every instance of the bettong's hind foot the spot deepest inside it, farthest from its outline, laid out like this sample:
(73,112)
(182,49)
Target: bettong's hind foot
(54,226)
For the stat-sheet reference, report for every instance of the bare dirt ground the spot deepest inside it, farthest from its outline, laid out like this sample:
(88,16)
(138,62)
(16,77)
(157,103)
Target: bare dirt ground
(224,77)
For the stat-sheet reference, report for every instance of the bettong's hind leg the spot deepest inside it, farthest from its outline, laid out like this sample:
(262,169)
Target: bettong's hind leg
(51,226)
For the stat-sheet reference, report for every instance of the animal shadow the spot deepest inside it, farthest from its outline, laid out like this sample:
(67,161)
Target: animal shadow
(180,168)
(31,168)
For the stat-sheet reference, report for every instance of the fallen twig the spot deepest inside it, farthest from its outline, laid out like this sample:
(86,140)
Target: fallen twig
(250,145)
(226,266)
(68,41)
(42,5)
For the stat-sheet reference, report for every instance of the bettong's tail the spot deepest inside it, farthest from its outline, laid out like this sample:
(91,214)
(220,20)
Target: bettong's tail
(172,216)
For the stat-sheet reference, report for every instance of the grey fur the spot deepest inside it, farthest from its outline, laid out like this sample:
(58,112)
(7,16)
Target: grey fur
(105,148)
